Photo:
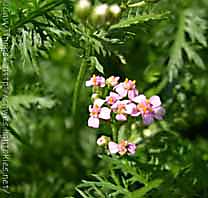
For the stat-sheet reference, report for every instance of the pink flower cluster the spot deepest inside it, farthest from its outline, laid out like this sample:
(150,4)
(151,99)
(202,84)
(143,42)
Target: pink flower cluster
(117,101)
(122,148)
(123,100)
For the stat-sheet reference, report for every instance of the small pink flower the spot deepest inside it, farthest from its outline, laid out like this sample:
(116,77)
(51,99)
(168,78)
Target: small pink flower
(97,112)
(128,87)
(112,98)
(131,148)
(120,109)
(149,109)
(102,140)
(122,147)
(113,147)
(96,81)
(112,81)
(132,110)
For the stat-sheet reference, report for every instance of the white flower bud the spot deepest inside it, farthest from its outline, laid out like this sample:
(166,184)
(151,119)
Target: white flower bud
(82,8)
(99,14)
(115,10)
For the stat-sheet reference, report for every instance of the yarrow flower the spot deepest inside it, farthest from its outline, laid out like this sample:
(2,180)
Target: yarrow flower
(98,112)
(122,148)
(103,140)
(120,109)
(96,81)
(149,109)
(127,88)
(121,100)
(112,98)
(112,81)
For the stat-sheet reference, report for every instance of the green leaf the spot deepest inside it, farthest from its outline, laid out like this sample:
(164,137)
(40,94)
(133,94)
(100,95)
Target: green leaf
(193,56)
(96,63)
(139,19)
(142,191)
(27,100)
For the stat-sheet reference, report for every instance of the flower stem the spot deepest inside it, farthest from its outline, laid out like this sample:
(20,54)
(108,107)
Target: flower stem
(114,133)
(78,85)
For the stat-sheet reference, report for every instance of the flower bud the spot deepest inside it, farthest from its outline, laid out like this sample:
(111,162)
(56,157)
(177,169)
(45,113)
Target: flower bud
(82,8)
(99,14)
(94,97)
(103,140)
(114,13)
(112,81)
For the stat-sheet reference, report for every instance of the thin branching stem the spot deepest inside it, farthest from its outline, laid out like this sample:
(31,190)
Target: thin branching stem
(78,85)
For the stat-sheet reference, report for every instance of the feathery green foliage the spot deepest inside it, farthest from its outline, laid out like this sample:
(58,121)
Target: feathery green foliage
(162,45)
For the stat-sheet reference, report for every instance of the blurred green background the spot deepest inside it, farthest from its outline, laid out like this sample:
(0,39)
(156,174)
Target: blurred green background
(51,151)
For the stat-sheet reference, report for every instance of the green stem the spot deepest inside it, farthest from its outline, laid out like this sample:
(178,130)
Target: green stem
(114,133)
(77,86)
(139,4)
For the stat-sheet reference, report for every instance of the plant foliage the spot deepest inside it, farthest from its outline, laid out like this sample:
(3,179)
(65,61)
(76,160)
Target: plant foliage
(162,45)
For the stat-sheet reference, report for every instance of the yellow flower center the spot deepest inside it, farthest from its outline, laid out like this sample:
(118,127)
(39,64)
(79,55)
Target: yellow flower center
(94,79)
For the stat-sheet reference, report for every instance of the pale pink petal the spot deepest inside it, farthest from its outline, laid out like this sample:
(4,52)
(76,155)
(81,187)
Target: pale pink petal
(105,113)
(112,98)
(101,81)
(99,102)
(155,101)
(130,108)
(115,105)
(121,90)
(125,102)
(121,117)
(159,112)
(101,140)
(139,99)
(148,119)
(135,113)
(113,94)
(131,148)
(117,78)
(88,83)
(93,122)
(113,147)
(132,94)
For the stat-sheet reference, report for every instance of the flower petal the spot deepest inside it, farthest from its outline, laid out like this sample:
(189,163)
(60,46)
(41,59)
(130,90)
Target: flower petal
(121,90)
(105,113)
(130,108)
(131,148)
(99,102)
(117,96)
(121,117)
(102,140)
(139,99)
(88,83)
(148,119)
(113,147)
(100,81)
(132,94)
(93,122)
(159,113)
(115,105)
(155,101)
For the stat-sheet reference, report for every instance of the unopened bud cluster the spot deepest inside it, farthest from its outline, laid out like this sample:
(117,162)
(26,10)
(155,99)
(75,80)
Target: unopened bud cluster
(98,15)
